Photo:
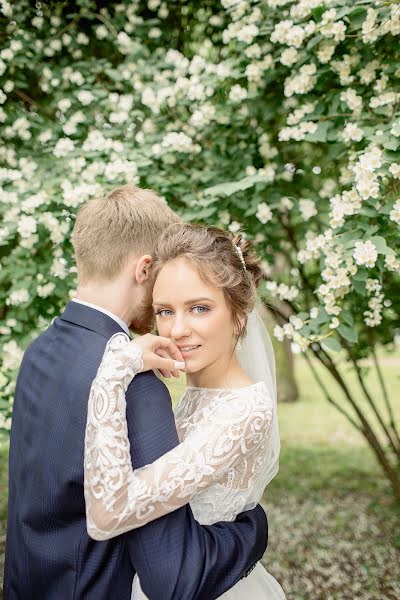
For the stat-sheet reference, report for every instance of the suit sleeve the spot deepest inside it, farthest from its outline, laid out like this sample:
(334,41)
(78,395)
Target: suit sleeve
(174,556)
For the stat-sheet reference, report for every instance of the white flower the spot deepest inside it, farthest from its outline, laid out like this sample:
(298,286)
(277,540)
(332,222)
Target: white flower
(237,93)
(247,33)
(234,226)
(18,297)
(82,38)
(314,312)
(45,290)
(365,253)
(58,268)
(288,330)
(264,213)
(303,82)
(96,142)
(279,333)
(282,291)
(395,130)
(352,132)
(371,160)
(392,263)
(85,97)
(77,78)
(307,208)
(325,52)
(45,136)
(334,323)
(12,355)
(289,56)
(383,99)
(26,226)
(395,170)
(7,54)
(395,212)
(126,168)
(296,322)
(101,32)
(64,105)
(178,142)
(124,41)
(63,147)
(353,101)
(9,86)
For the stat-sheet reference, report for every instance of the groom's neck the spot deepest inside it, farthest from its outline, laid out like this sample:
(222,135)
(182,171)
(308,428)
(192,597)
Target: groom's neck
(109,296)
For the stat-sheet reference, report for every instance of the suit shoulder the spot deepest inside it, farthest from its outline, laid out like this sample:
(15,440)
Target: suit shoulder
(149,383)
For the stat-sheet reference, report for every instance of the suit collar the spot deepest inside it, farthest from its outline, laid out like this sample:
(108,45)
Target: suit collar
(90,318)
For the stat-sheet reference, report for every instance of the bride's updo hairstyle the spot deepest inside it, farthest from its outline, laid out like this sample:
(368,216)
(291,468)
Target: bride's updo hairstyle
(221,259)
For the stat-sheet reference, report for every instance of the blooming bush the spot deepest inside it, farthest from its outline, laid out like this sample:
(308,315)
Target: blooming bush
(277,118)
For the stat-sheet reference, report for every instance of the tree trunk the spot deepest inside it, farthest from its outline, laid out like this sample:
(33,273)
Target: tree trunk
(285,374)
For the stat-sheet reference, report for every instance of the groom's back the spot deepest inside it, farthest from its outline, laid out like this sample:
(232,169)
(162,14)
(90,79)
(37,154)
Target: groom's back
(48,552)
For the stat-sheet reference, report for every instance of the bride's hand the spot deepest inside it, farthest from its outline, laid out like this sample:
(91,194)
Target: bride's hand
(160,353)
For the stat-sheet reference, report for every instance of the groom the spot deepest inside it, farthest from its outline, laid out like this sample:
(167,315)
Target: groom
(49,555)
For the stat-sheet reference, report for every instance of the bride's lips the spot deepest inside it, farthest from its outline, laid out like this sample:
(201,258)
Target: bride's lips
(188,350)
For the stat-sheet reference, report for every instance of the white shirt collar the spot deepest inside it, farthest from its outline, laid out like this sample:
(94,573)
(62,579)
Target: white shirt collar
(120,322)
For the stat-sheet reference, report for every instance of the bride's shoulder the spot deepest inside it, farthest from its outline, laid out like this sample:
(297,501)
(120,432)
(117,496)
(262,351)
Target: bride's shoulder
(253,395)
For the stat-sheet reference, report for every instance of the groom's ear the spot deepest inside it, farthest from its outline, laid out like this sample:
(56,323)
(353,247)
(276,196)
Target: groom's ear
(142,270)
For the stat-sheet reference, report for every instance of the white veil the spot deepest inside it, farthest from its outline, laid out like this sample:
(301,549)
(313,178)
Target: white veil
(256,356)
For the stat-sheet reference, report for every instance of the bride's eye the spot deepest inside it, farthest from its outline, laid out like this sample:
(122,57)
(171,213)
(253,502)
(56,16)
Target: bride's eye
(200,310)
(164,312)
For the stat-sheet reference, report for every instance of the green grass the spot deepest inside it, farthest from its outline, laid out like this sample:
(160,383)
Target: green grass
(330,503)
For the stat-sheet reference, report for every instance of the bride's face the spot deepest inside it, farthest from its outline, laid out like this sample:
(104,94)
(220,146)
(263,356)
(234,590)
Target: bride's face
(194,315)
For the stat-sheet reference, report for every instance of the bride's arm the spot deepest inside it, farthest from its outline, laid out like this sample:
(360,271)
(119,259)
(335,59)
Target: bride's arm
(119,499)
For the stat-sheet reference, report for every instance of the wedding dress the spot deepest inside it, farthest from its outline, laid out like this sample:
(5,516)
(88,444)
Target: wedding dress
(217,466)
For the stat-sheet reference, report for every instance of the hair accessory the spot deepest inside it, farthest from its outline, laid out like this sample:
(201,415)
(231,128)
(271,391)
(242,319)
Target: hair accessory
(240,255)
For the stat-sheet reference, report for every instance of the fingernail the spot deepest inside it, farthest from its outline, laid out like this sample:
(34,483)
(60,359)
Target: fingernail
(179,365)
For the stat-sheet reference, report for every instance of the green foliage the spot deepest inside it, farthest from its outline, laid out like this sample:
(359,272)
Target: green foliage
(280,119)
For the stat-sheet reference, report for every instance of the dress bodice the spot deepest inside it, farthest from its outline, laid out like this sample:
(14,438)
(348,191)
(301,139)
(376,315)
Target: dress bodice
(239,489)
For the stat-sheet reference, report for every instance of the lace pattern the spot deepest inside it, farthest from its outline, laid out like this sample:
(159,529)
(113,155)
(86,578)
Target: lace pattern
(223,437)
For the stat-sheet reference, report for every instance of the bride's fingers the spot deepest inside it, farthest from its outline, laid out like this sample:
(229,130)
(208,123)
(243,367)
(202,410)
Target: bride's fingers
(163,343)
(167,364)
(164,373)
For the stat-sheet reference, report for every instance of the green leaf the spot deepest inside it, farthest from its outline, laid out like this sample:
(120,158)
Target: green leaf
(349,333)
(381,245)
(305,330)
(347,317)
(361,275)
(391,143)
(322,318)
(368,212)
(331,343)
(231,187)
(321,134)
(359,287)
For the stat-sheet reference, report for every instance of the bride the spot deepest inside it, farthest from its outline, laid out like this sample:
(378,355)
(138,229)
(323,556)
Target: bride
(204,301)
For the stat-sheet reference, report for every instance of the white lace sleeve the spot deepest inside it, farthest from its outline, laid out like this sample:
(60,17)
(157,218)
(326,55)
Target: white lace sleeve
(119,499)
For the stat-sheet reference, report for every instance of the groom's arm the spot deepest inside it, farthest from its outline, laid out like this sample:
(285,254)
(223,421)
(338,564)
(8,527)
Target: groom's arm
(174,556)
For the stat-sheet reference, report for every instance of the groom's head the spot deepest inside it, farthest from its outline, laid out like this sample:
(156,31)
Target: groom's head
(114,239)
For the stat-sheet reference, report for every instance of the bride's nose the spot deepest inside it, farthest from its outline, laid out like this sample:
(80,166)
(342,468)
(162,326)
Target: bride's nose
(179,327)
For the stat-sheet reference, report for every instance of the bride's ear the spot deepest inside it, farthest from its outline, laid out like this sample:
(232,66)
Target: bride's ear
(142,270)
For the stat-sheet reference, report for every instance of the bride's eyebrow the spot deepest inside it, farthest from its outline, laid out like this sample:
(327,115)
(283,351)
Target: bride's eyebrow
(191,301)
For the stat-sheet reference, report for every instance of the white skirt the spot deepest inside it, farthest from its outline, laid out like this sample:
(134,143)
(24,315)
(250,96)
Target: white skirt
(258,585)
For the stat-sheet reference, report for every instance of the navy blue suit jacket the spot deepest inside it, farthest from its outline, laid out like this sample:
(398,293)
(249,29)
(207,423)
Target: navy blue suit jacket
(49,555)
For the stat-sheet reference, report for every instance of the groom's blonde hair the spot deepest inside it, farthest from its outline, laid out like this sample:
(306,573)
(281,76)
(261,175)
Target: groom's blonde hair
(109,230)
